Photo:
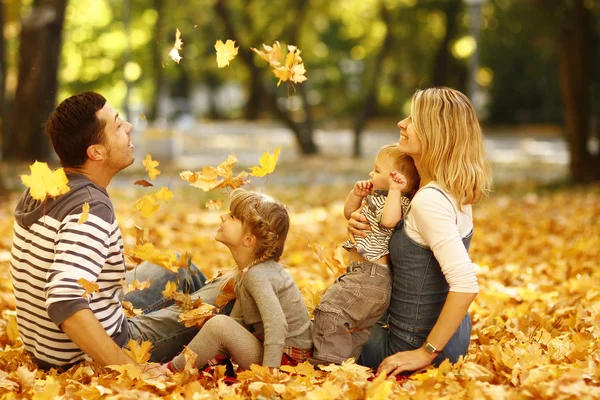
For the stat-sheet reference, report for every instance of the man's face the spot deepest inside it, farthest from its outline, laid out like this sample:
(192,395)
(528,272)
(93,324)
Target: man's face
(117,142)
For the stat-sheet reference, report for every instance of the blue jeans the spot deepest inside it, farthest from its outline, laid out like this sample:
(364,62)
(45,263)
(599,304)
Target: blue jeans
(159,321)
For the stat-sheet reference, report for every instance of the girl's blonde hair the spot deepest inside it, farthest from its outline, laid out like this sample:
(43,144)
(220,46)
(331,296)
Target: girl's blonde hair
(403,164)
(267,220)
(452,144)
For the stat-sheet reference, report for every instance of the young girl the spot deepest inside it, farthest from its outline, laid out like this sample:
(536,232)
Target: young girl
(269,323)
(358,299)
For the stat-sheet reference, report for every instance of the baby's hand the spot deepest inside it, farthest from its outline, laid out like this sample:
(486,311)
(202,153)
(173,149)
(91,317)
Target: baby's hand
(362,188)
(397,181)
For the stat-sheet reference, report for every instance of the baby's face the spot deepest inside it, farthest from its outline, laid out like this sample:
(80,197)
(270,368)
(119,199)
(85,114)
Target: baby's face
(380,176)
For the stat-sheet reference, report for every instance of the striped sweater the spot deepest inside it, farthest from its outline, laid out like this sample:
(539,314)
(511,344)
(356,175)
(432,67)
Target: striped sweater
(51,251)
(375,245)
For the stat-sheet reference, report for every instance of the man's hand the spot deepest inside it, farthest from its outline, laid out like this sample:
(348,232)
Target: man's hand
(398,181)
(358,225)
(411,360)
(362,188)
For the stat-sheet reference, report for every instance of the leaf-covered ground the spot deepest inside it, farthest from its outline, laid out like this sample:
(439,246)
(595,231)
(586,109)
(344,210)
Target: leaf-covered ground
(536,320)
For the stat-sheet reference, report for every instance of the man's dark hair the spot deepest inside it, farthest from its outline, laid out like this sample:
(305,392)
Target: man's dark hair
(74,126)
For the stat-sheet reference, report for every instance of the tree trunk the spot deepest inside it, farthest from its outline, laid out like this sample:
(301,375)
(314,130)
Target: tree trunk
(157,69)
(304,136)
(370,92)
(39,53)
(2,75)
(254,102)
(574,80)
(442,65)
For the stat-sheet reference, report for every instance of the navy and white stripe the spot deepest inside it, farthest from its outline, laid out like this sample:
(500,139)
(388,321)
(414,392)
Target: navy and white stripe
(376,244)
(47,259)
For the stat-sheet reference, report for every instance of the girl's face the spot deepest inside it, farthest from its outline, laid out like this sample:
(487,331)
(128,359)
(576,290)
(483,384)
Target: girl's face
(231,231)
(380,176)
(409,142)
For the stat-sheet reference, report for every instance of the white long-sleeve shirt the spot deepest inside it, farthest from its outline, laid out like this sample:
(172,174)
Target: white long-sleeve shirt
(435,222)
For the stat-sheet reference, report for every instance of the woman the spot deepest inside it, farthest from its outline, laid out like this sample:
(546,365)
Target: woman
(434,281)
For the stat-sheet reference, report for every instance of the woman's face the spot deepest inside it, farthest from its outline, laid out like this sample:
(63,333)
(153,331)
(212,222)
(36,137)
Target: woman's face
(409,142)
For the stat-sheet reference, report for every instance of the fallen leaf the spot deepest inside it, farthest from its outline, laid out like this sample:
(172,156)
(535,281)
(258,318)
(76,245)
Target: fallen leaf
(140,353)
(227,293)
(197,316)
(130,311)
(135,285)
(43,182)
(170,289)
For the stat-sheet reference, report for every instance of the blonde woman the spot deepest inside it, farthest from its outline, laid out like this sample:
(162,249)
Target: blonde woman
(434,281)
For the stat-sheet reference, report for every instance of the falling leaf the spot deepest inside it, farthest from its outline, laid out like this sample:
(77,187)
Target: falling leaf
(170,289)
(225,52)
(135,285)
(227,293)
(272,54)
(330,256)
(90,287)
(130,311)
(84,213)
(293,70)
(267,163)
(225,169)
(143,182)
(44,182)
(140,353)
(142,116)
(166,259)
(164,194)
(197,316)
(214,205)
(174,53)
(147,206)
(150,166)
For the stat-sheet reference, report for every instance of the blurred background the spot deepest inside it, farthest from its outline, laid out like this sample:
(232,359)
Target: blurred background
(530,68)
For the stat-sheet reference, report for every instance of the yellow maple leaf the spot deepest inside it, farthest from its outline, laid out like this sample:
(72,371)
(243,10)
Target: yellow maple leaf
(135,285)
(272,54)
(214,205)
(312,298)
(147,206)
(164,194)
(197,316)
(127,372)
(150,166)
(170,289)
(225,52)
(227,293)
(174,53)
(267,163)
(225,169)
(166,259)
(44,182)
(234,182)
(380,389)
(130,311)
(293,69)
(85,210)
(12,328)
(90,287)
(207,179)
(140,353)
(50,389)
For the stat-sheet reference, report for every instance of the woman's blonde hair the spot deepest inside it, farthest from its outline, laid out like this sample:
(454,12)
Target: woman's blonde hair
(266,219)
(452,143)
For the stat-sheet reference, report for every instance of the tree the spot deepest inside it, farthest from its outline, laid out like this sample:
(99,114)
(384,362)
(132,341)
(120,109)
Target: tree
(302,131)
(39,52)
(574,67)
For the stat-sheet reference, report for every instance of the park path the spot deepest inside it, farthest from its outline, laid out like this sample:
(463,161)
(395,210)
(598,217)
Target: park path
(516,154)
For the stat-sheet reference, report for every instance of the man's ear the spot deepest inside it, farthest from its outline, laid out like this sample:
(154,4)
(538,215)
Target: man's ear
(96,152)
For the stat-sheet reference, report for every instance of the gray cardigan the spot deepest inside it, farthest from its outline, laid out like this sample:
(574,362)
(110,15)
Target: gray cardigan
(270,305)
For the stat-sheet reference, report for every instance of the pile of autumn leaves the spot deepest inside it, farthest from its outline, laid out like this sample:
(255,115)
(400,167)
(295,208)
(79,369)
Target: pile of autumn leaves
(536,321)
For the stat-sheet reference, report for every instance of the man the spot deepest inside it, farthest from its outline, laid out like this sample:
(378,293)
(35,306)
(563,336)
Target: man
(51,251)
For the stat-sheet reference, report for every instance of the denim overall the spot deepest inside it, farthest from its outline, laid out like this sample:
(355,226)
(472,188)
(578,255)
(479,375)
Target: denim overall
(419,291)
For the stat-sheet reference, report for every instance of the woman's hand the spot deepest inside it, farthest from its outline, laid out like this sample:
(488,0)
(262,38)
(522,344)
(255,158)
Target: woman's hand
(358,225)
(411,360)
